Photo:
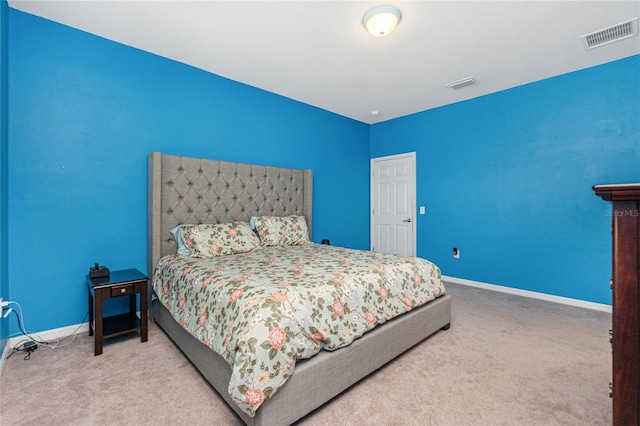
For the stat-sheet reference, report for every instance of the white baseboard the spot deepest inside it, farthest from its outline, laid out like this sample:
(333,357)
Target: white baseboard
(532,294)
(50,335)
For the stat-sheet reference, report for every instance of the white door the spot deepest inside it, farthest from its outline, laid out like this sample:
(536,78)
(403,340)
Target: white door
(393,200)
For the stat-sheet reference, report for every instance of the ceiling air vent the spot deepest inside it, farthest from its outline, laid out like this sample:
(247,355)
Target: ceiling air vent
(462,83)
(611,34)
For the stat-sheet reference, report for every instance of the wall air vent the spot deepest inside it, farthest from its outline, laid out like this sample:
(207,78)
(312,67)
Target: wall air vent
(462,83)
(611,34)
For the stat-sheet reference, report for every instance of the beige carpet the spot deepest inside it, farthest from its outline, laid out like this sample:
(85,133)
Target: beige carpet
(505,361)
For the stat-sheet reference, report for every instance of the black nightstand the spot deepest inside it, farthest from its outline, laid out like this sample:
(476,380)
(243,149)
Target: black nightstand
(128,282)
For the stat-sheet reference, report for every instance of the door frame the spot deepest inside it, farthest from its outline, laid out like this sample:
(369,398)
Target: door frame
(412,160)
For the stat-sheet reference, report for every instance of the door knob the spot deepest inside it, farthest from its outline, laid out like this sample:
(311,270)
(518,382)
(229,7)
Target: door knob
(407,220)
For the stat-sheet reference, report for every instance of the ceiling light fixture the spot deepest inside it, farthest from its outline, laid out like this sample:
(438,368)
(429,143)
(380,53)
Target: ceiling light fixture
(382,20)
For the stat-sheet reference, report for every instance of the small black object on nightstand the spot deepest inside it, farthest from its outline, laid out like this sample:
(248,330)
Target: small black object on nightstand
(97,271)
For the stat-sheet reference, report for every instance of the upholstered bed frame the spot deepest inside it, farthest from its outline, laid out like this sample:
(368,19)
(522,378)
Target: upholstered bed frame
(190,190)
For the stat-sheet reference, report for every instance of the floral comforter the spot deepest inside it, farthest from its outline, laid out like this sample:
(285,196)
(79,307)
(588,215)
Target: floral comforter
(264,309)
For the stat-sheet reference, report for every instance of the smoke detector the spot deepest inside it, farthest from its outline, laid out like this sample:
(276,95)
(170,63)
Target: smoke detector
(611,34)
(469,81)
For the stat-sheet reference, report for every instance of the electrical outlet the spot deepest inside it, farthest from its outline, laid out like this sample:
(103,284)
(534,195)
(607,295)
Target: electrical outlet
(456,253)
(4,311)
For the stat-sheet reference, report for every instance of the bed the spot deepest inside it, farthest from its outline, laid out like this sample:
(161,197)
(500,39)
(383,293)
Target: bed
(185,190)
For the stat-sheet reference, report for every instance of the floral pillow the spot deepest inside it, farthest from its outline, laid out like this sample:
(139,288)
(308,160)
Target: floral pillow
(282,231)
(209,240)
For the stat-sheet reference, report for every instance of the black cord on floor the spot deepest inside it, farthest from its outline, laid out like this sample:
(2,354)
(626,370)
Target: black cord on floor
(28,347)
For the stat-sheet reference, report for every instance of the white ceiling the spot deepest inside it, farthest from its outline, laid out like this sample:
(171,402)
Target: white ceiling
(318,52)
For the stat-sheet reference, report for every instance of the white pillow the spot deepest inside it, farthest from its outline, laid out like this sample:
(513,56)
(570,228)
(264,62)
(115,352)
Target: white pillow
(177,236)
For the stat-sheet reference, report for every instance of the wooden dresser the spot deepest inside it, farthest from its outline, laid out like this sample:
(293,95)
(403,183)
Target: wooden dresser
(625,284)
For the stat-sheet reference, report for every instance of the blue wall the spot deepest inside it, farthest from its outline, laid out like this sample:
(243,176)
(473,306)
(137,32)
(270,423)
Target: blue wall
(86,112)
(507,179)
(4,143)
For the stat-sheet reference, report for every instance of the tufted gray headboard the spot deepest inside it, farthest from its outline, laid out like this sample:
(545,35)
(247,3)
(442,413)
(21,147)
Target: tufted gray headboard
(190,190)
